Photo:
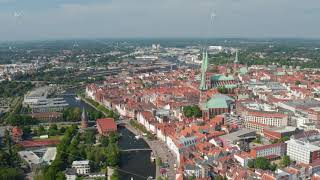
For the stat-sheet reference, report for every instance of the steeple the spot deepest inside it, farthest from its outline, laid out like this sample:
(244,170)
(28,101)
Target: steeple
(204,67)
(235,63)
(84,119)
(236,59)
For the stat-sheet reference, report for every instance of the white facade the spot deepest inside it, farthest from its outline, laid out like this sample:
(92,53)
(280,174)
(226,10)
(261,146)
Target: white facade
(272,121)
(153,128)
(173,147)
(161,136)
(82,167)
(243,161)
(300,151)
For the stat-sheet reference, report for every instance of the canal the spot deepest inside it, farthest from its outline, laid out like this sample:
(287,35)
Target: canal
(136,165)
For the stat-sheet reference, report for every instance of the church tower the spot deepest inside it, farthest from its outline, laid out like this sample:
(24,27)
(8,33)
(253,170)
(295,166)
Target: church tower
(203,85)
(204,67)
(235,64)
(84,119)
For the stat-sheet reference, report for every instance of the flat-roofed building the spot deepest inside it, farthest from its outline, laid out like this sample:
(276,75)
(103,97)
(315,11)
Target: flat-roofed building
(30,158)
(38,101)
(304,147)
(303,152)
(49,155)
(273,133)
(82,167)
(236,137)
(268,118)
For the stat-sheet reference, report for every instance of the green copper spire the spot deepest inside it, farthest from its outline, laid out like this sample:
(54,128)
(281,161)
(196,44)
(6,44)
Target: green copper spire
(204,67)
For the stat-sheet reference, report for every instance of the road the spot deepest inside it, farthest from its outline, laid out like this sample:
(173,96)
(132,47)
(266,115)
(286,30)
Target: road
(160,149)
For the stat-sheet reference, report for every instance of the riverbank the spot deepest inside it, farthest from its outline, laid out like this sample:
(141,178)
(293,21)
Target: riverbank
(134,164)
(100,107)
(159,149)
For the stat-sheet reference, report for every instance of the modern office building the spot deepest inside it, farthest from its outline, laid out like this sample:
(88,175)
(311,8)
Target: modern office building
(304,147)
(38,101)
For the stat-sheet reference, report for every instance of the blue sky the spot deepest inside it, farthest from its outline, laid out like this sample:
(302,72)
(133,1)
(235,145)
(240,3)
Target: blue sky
(59,19)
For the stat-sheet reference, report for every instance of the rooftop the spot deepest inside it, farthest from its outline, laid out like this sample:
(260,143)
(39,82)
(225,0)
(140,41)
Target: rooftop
(219,101)
(75,163)
(237,135)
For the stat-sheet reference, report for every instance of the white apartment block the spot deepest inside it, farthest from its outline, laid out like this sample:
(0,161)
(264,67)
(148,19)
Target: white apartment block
(303,152)
(82,167)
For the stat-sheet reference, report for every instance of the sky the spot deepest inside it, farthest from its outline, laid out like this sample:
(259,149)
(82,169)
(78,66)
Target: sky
(70,19)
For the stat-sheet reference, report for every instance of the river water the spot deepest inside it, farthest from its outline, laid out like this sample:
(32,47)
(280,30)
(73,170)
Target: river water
(136,165)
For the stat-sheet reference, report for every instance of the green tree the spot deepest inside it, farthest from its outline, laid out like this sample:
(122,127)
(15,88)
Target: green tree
(113,154)
(115,175)
(53,130)
(158,161)
(26,132)
(258,139)
(192,111)
(62,130)
(273,167)
(41,130)
(262,163)
(11,174)
(285,161)
(104,141)
(90,137)
(8,142)
(223,90)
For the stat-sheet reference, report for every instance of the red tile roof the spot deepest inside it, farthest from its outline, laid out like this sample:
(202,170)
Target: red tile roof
(39,143)
(106,124)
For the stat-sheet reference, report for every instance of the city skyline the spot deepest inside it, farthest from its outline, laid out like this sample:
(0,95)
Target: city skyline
(71,19)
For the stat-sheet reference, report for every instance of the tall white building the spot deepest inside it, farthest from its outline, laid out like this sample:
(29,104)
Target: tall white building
(304,147)
(303,152)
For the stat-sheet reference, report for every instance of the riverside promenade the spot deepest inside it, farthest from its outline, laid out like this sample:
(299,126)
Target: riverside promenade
(160,150)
